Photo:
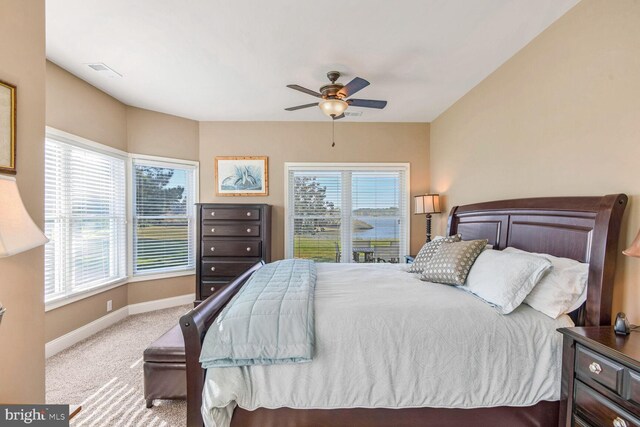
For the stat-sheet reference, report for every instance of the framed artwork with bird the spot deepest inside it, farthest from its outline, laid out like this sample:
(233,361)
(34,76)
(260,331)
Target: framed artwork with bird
(242,176)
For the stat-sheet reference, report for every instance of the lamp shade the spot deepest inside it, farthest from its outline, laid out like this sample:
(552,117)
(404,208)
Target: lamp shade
(427,204)
(634,249)
(18,232)
(333,107)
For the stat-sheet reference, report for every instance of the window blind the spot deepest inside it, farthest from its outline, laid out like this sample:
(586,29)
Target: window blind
(163,229)
(378,215)
(317,222)
(347,214)
(85,219)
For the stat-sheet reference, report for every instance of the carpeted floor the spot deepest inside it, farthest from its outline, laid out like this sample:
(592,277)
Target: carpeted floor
(104,374)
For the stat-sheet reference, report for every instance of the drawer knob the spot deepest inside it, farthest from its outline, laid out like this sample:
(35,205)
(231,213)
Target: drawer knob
(213,289)
(619,422)
(213,269)
(213,248)
(213,213)
(248,249)
(248,230)
(213,230)
(595,368)
(248,213)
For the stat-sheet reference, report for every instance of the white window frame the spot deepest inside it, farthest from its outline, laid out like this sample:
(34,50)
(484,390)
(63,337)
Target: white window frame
(346,194)
(71,139)
(163,162)
(86,144)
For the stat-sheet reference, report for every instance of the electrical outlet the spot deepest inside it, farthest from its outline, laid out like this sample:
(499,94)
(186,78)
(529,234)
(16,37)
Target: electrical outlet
(109,305)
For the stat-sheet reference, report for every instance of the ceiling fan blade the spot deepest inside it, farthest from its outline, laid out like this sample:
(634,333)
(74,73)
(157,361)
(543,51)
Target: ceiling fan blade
(353,86)
(341,116)
(305,90)
(300,107)
(367,103)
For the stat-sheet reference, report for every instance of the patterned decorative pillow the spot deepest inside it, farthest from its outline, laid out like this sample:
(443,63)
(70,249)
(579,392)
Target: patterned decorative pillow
(451,263)
(427,252)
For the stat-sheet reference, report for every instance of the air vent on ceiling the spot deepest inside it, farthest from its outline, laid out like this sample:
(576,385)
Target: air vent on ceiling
(353,113)
(104,70)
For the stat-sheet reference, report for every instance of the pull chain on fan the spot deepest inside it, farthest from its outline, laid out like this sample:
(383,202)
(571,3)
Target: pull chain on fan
(333,133)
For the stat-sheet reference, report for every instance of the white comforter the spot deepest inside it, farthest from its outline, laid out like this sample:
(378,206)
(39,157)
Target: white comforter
(385,339)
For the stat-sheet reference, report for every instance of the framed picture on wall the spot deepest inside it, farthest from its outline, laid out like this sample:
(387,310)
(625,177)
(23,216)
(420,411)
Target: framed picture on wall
(7,128)
(242,176)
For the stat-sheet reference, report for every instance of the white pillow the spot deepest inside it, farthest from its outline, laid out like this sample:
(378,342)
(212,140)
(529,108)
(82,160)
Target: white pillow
(561,291)
(505,279)
(583,296)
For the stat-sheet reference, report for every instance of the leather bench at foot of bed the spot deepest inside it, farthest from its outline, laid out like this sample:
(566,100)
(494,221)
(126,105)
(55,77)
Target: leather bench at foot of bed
(165,375)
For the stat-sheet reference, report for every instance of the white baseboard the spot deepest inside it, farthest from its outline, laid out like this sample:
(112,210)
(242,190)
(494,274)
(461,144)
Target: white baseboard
(67,340)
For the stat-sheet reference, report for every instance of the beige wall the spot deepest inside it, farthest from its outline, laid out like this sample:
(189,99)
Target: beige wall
(311,142)
(22,47)
(76,107)
(561,117)
(150,290)
(75,315)
(158,134)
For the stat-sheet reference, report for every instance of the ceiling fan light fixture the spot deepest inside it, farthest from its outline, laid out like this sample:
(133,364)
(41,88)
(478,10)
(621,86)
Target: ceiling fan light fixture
(333,107)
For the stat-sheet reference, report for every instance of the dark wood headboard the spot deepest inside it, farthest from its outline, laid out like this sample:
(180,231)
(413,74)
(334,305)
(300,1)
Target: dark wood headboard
(581,228)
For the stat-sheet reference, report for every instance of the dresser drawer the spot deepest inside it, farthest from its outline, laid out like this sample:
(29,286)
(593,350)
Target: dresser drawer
(578,422)
(634,387)
(238,248)
(242,214)
(224,268)
(230,230)
(598,368)
(210,287)
(595,408)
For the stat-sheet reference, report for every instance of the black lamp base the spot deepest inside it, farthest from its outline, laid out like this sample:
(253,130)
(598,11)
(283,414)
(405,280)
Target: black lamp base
(428,228)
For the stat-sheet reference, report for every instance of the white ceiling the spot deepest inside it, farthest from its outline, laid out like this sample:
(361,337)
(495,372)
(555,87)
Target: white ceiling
(231,60)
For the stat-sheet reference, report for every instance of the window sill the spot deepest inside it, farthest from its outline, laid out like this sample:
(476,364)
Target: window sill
(61,302)
(156,276)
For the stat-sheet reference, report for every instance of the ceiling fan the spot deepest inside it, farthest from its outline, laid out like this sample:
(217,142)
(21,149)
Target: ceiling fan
(334,102)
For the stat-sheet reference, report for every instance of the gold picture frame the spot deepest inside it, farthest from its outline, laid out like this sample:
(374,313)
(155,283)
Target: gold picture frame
(7,128)
(242,176)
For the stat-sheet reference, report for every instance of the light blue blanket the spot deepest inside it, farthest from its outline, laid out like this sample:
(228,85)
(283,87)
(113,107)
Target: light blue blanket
(269,321)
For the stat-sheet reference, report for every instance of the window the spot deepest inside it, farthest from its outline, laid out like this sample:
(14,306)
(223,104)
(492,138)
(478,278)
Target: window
(347,213)
(112,217)
(85,219)
(163,217)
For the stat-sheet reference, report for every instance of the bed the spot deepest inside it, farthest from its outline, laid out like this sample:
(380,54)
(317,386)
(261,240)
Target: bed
(581,228)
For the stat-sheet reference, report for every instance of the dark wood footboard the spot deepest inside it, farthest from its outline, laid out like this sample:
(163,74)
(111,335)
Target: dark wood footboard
(194,326)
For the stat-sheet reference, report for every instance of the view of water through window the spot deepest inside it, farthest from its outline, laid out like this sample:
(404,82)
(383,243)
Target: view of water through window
(371,202)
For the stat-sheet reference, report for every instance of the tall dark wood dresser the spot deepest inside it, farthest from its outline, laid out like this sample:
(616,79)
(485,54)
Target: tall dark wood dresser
(232,238)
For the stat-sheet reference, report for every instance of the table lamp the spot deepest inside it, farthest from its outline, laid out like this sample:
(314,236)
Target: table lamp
(18,232)
(427,204)
(634,249)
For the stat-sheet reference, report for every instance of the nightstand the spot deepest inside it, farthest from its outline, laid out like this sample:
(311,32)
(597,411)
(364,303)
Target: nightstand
(408,259)
(600,378)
